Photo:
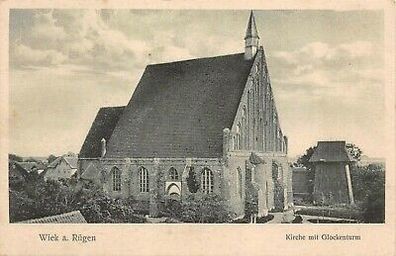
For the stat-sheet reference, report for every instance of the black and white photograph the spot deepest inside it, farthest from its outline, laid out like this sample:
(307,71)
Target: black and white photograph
(197,116)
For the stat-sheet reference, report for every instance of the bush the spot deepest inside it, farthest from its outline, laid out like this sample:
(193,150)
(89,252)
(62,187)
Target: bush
(368,184)
(21,207)
(173,209)
(41,199)
(104,209)
(205,209)
(141,207)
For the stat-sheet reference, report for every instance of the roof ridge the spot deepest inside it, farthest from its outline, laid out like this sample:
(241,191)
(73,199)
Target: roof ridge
(186,60)
(109,107)
(54,217)
(331,141)
(68,162)
(53,162)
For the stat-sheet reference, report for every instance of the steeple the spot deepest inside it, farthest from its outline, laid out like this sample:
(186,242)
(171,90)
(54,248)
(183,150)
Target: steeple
(251,38)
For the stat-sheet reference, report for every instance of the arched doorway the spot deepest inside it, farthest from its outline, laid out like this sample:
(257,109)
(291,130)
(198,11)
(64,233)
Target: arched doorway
(173,190)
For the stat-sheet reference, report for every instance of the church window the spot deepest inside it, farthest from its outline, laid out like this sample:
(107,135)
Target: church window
(244,125)
(275,171)
(143,180)
(207,181)
(173,175)
(238,142)
(116,177)
(239,182)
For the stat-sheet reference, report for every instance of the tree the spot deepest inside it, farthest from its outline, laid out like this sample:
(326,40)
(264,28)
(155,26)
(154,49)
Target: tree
(51,158)
(368,183)
(304,161)
(20,207)
(39,199)
(192,183)
(46,198)
(13,157)
(354,151)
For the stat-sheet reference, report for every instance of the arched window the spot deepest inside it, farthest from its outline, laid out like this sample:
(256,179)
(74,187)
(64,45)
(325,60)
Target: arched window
(275,173)
(244,125)
(116,177)
(173,175)
(238,139)
(207,181)
(143,180)
(261,135)
(240,182)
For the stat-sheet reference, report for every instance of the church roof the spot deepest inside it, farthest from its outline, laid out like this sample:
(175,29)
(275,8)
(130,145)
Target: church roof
(71,162)
(331,151)
(70,217)
(102,127)
(180,109)
(90,173)
(251,30)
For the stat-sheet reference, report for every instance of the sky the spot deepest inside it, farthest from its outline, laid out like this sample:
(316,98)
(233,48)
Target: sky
(326,69)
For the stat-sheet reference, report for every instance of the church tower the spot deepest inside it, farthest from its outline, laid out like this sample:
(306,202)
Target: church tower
(251,38)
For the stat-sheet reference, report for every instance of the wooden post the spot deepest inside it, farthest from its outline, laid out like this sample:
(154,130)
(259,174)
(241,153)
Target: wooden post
(349,184)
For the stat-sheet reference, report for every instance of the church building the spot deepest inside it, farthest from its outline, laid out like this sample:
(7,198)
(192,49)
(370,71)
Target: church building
(200,126)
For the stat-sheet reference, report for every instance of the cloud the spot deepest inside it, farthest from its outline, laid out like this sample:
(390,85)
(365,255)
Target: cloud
(323,54)
(80,38)
(118,40)
(318,66)
(22,55)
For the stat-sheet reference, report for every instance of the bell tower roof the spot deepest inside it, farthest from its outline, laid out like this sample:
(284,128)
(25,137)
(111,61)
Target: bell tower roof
(251,30)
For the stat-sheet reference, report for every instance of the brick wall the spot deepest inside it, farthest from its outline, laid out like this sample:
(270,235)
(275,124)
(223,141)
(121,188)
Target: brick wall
(256,125)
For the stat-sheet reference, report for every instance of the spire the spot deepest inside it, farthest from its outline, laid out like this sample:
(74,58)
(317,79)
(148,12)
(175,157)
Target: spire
(251,30)
(251,38)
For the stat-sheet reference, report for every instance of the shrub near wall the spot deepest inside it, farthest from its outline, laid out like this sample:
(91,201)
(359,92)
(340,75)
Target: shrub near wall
(45,198)
(199,209)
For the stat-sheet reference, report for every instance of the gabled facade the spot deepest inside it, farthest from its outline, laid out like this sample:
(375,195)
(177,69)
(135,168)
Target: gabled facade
(64,167)
(210,120)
